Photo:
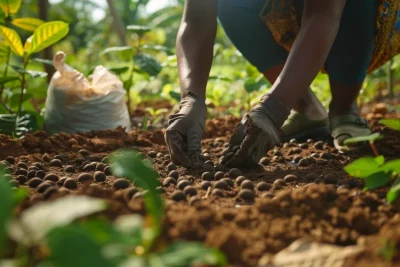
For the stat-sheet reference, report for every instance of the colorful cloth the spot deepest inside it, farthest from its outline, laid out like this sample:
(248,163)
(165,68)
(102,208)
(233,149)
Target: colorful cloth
(284,16)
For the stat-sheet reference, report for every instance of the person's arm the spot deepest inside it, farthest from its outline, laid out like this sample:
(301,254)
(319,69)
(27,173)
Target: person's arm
(194,45)
(319,27)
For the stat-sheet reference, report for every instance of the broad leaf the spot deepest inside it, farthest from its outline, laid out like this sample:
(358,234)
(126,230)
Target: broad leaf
(252,85)
(15,99)
(364,167)
(189,254)
(377,180)
(48,34)
(392,123)
(10,7)
(33,73)
(175,95)
(71,246)
(38,220)
(140,30)
(119,71)
(4,80)
(124,52)
(148,64)
(4,51)
(393,193)
(6,203)
(367,138)
(28,24)
(392,166)
(44,61)
(13,40)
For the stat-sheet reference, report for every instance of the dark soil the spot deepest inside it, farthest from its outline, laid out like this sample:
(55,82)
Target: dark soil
(300,190)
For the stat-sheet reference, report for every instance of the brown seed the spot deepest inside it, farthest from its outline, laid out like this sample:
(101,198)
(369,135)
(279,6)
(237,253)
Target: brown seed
(94,158)
(205,185)
(279,183)
(160,190)
(89,167)
(50,192)
(182,184)
(21,179)
(190,190)
(178,196)
(240,180)
(219,175)
(168,181)
(84,153)
(85,178)
(120,183)
(43,186)
(315,155)
(293,141)
(319,145)
(33,168)
(296,150)
(152,154)
(35,182)
(174,174)
(220,168)
(263,186)
(209,162)
(221,185)
(326,155)
(107,170)
(38,165)
(160,155)
(171,167)
(247,184)
(60,157)
(10,159)
(207,176)
(276,152)
(264,161)
(268,195)
(56,163)
(297,159)
(303,145)
(21,172)
(234,173)
(70,183)
(99,176)
(193,200)
(22,165)
(330,178)
(73,141)
(100,166)
(246,195)
(290,178)
(180,178)
(51,177)
(228,181)
(62,180)
(129,193)
(208,167)
(70,169)
(217,192)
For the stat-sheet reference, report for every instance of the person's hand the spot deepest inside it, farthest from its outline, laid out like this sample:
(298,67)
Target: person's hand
(185,129)
(256,134)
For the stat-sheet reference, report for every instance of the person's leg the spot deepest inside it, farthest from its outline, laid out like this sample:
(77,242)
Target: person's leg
(347,66)
(242,24)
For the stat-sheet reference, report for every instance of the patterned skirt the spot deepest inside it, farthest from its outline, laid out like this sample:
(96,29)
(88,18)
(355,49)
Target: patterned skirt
(284,16)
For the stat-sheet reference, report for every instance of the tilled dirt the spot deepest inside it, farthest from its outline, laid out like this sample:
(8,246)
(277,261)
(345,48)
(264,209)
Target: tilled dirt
(299,190)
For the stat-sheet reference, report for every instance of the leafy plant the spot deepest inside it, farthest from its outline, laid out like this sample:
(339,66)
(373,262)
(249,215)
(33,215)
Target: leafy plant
(44,35)
(368,138)
(391,123)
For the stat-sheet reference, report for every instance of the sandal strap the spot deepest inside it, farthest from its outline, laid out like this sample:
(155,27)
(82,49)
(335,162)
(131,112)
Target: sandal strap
(347,119)
(349,125)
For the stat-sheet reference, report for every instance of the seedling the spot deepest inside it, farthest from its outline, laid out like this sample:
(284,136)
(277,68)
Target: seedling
(368,138)
(391,123)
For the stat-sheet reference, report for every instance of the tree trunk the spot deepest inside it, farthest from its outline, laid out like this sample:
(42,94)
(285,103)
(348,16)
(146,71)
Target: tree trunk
(117,23)
(43,6)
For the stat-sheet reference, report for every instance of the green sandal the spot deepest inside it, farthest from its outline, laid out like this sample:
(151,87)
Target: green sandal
(348,126)
(300,127)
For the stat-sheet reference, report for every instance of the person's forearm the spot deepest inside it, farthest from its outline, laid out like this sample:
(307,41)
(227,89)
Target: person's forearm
(308,55)
(194,47)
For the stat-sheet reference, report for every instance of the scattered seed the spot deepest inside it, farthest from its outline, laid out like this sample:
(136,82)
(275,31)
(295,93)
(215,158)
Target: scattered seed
(62,180)
(22,165)
(171,167)
(290,178)
(208,167)
(207,176)
(228,181)
(304,163)
(263,186)
(50,191)
(59,157)
(94,158)
(40,174)
(246,195)
(278,183)
(219,175)
(129,193)
(247,184)
(182,184)
(205,185)
(326,155)
(234,173)
(174,174)
(70,169)
(198,165)
(319,145)
(265,161)
(178,196)
(85,178)
(100,166)
(10,159)
(107,170)
(70,183)
(99,176)
(193,200)
(240,179)
(84,153)
(315,155)
(221,185)
(168,181)
(51,177)
(268,195)
(33,168)
(220,168)
(303,146)
(8,177)
(152,154)
(217,192)
(56,163)
(43,186)
(330,178)
(35,182)
(21,172)
(21,179)
(190,190)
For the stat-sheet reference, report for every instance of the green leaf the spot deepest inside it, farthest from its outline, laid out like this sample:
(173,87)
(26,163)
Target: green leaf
(156,48)
(13,40)
(13,126)
(15,98)
(33,73)
(392,166)
(124,52)
(44,61)
(393,193)
(148,64)
(138,29)
(252,84)
(189,254)
(377,180)
(364,167)
(4,80)
(392,123)
(6,204)
(367,138)
(119,71)
(48,34)
(19,194)
(28,24)
(71,246)
(10,7)
(175,95)
(42,218)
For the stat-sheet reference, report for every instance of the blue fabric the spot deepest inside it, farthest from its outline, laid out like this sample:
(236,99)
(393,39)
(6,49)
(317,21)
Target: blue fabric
(348,59)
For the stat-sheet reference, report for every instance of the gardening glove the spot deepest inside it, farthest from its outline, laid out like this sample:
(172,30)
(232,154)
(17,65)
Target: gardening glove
(185,129)
(257,133)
